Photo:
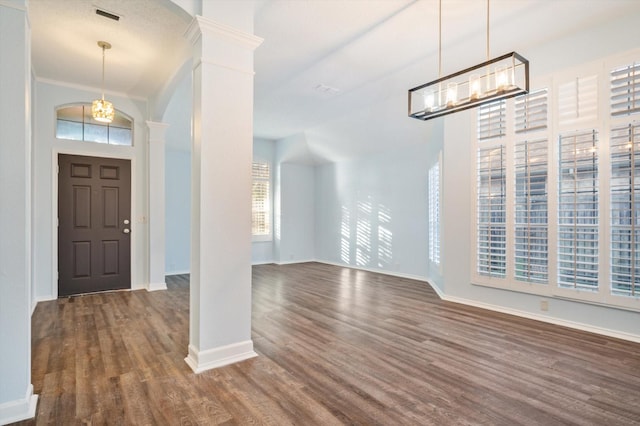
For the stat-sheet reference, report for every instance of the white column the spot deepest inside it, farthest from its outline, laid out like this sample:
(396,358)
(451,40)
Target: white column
(220,306)
(156,206)
(17,401)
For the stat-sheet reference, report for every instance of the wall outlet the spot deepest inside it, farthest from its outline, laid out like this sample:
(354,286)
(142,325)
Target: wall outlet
(544,305)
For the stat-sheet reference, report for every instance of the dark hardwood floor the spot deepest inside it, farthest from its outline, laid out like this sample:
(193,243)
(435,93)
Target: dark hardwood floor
(337,346)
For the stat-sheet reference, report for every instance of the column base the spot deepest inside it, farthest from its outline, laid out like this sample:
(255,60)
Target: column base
(200,361)
(20,409)
(156,286)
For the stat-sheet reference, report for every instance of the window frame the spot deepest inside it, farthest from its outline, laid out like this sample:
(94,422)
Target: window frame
(119,114)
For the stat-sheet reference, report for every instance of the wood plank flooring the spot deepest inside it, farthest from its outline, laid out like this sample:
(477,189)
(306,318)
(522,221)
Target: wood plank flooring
(336,346)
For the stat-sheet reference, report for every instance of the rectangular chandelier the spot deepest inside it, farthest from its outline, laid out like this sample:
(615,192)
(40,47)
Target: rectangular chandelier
(499,78)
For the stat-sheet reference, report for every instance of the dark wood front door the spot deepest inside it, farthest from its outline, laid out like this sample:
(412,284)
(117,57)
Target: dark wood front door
(94,224)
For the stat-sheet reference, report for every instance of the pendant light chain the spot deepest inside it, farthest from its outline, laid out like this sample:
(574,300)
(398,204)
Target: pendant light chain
(103,47)
(440,39)
(488,55)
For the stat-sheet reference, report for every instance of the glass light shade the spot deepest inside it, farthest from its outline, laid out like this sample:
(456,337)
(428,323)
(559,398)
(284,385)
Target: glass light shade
(429,100)
(502,74)
(452,94)
(102,111)
(475,87)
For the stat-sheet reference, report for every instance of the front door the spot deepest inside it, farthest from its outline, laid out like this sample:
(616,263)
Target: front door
(94,209)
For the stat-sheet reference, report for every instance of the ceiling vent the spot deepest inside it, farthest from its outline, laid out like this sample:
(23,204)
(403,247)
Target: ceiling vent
(326,90)
(107,14)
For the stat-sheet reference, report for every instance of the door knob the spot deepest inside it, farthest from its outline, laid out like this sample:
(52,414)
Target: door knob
(126,230)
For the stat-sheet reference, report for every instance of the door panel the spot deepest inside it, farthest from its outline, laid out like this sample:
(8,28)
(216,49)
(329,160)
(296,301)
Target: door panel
(94,247)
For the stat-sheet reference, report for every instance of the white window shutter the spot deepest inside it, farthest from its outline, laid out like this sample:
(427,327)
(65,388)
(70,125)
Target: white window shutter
(625,209)
(578,100)
(491,220)
(260,202)
(625,90)
(531,111)
(492,120)
(531,211)
(578,210)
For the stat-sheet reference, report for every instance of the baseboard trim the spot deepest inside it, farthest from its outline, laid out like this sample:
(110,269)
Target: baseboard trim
(200,361)
(21,409)
(385,272)
(291,262)
(157,286)
(556,321)
(180,272)
(262,262)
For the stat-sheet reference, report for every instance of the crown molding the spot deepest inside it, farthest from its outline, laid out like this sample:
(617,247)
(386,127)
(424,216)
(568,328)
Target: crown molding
(201,25)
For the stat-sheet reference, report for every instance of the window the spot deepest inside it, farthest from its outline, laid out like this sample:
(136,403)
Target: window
(578,211)
(434,213)
(260,200)
(625,210)
(531,111)
(492,120)
(531,225)
(625,90)
(75,123)
(578,100)
(567,222)
(492,240)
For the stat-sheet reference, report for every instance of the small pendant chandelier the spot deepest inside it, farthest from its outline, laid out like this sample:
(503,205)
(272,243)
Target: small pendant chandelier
(102,110)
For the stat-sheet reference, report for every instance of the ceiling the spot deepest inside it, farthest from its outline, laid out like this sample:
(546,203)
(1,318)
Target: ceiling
(320,60)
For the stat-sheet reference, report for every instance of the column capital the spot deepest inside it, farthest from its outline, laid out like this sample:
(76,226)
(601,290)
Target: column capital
(157,130)
(201,25)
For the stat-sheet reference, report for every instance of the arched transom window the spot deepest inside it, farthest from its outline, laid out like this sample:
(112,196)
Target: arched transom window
(74,122)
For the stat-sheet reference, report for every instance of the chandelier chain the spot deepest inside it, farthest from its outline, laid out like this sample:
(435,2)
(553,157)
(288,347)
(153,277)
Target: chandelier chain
(440,39)
(103,47)
(488,55)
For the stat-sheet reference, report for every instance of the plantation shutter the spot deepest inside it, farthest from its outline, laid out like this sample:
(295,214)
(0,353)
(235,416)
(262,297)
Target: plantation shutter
(531,225)
(625,209)
(531,111)
(625,90)
(434,213)
(578,211)
(492,120)
(260,204)
(492,238)
(578,100)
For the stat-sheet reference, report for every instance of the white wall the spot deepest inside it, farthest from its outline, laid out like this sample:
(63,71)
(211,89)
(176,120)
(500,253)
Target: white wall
(178,179)
(17,401)
(178,211)
(48,95)
(372,212)
(296,222)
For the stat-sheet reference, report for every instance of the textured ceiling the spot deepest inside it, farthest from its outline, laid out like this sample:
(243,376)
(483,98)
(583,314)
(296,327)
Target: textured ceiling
(148,45)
